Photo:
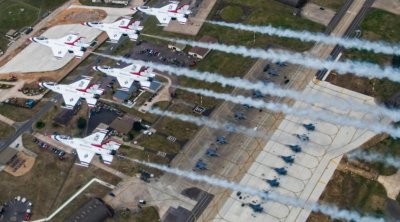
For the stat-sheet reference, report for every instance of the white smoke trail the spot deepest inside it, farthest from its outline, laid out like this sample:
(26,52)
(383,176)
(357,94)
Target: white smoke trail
(230,127)
(305,36)
(375,157)
(375,126)
(326,209)
(270,88)
(358,68)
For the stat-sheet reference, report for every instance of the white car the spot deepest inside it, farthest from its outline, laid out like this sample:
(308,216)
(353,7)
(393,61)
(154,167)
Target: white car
(167,13)
(115,30)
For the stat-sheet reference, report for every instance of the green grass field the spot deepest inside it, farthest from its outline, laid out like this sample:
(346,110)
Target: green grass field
(18,14)
(377,25)
(335,5)
(6,130)
(350,191)
(388,146)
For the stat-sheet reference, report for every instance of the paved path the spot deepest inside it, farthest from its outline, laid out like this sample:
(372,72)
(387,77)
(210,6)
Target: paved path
(94,180)
(7,120)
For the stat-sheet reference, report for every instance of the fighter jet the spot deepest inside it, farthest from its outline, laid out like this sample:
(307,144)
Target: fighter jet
(115,30)
(295,148)
(281,171)
(168,12)
(200,165)
(126,76)
(281,64)
(273,183)
(87,147)
(303,137)
(212,152)
(273,72)
(257,208)
(239,116)
(309,127)
(257,94)
(288,159)
(73,92)
(60,47)
(221,140)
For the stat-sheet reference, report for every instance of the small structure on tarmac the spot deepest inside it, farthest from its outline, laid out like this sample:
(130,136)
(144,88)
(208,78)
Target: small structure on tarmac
(201,53)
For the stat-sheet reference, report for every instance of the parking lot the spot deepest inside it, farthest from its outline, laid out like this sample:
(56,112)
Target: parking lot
(157,53)
(61,155)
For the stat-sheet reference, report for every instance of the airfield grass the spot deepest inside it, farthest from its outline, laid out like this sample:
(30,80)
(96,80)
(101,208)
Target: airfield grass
(335,5)
(94,191)
(146,214)
(232,13)
(50,182)
(12,17)
(40,185)
(378,25)
(350,191)
(6,131)
(388,146)
(19,114)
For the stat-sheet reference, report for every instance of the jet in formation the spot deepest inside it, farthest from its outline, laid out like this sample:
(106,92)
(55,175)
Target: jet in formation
(167,13)
(71,43)
(88,146)
(122,27)
(73,92)
(129,74)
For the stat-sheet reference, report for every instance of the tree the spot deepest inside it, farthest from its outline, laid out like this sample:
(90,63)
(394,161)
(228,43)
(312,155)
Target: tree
(81,123)
(40,124)
(137,126)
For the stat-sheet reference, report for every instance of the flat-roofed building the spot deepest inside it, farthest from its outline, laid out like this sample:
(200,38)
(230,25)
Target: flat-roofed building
(93,211)
(199,52)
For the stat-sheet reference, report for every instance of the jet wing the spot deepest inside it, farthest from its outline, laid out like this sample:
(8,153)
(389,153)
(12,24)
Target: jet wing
(70,100)
(170,7)
(132,68)
(96,138)
(114,35)
(85,156)
(81,84)
(59,52)
(125,82)
(164,19)
(107,159)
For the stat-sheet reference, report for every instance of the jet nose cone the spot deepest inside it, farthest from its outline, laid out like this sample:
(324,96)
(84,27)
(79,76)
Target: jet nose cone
(32,39)
(96,68)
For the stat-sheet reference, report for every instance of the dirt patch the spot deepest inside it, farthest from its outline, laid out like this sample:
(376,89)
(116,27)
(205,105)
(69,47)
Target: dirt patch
(26,162)
(78,15)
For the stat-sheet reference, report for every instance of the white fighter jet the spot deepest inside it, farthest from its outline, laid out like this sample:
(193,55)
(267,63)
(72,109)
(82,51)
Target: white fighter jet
(87,147)
(71,43)
(168,12)
(129,74)
(73,92)
(126,27)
